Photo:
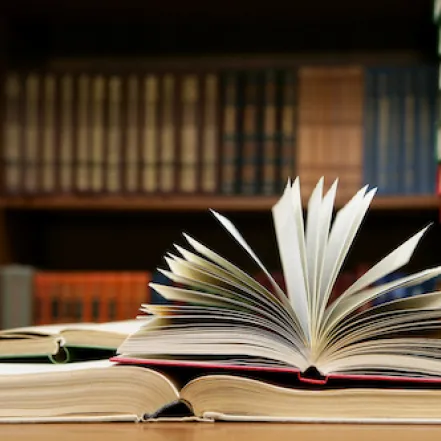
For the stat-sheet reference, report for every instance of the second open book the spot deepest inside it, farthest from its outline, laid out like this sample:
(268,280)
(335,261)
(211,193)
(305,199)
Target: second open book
(226,319)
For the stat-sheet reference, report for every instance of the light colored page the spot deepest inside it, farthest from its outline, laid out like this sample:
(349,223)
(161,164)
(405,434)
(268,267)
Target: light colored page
(297,207)
(393,261)
(187,295)
(250,300)
(228,225)
(183,273)
(323,236)
(410,325)
(223,290)
(201,273)
(211,267)
(37,368)
(122,327)
(291,259)
(341,309)
(420,301)
(241,275)
(337,234)
(43,330)
(312,240)
(342,234)
(199,280)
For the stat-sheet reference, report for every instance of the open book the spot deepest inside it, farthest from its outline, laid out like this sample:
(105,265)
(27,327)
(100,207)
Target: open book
(100,391)
(62,342)
(227,320)
(104,391)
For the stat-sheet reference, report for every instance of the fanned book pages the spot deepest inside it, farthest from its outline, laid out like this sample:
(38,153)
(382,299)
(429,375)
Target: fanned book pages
(225,319)
(63,343)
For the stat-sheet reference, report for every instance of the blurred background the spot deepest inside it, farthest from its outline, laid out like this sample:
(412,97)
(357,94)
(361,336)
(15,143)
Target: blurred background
(122,122)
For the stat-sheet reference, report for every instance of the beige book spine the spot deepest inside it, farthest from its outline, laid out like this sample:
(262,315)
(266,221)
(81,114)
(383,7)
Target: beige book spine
(97,162)
(113,178)
(210,135)
(150,175)
(229,136)
(31,134)
(82,147)
(131,145)
(168,139)
(48,153)
(189,141)
(12,130)
(66,134)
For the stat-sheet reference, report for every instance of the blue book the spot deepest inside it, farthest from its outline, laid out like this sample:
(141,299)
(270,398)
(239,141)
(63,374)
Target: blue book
(394,134)
(370,128)
(408,147)
(426,128)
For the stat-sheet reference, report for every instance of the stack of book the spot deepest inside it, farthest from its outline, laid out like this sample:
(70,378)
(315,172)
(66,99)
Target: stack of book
(227,348)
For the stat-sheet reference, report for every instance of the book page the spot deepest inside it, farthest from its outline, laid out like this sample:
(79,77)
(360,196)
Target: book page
(343,308)
(227,224)
(344,229)
(37,368)
(291,259)
(312,234)
(238,273)
(393,261)
(262,305)
(323,237)
(122,327)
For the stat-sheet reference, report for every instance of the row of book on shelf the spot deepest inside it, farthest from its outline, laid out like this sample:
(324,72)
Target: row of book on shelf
(226,131)
(32,297)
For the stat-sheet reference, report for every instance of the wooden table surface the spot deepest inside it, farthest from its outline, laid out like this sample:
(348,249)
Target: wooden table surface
(216,432)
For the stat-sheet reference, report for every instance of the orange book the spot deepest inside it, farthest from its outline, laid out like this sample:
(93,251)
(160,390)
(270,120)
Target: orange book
(124,284)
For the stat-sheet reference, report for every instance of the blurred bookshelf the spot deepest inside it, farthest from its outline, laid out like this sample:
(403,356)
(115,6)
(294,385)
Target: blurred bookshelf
(122,127)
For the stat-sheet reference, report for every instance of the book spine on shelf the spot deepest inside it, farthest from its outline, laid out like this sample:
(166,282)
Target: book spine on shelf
(210,133)
(425,170)
(270,152)
(286,128)
(12,133)
(383,133)
(434,118)
(230,133)
(131,134)
(151,121)
(188,161)
(408,150)
(82,126)
(369,132)
(16,296)
(250,134)
(395,131)
(98,132)
(48,162)
(114,147)
(31,131)
(67,134)
(169,152)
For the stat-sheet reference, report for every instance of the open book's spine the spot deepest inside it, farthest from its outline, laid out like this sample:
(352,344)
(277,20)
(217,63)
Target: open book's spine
(178,410)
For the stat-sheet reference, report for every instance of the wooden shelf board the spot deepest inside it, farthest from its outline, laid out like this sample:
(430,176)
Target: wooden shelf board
(190,202)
